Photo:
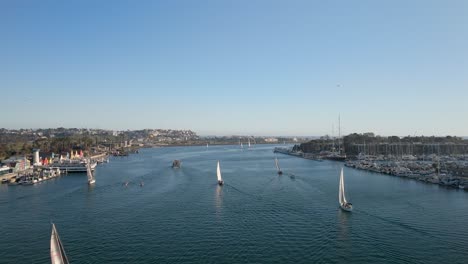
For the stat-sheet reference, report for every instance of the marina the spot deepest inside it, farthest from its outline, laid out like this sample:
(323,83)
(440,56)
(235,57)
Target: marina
(446,170)
(255,209)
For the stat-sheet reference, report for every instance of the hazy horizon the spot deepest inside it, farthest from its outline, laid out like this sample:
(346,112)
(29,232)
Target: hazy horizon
(243,134)
(215,67)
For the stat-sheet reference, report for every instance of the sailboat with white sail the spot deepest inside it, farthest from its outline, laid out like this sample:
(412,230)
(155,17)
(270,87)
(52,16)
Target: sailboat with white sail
(344,204)
(278,167)
(218,173)
(57,253)
(89,172)
(249,142)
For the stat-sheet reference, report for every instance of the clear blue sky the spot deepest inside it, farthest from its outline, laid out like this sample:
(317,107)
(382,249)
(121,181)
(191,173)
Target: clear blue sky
(236,67)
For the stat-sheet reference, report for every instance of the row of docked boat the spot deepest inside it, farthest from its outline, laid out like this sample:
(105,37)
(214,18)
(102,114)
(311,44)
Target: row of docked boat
(425,171)
(32,179)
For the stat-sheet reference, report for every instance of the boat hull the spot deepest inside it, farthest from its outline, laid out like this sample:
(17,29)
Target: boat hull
(176,164)
(346,209)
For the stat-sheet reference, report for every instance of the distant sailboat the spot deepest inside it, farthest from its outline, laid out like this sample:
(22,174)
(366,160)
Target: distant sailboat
(206,145)
(89,172)
(57,253)
(218,173)
(249,142)
(341,195)
(242,146)
(176,164)
(278,167)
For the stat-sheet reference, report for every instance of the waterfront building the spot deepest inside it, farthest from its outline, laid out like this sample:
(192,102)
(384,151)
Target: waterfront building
(17,163)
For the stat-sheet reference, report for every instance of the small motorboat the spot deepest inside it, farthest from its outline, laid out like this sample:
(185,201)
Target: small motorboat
(176,164)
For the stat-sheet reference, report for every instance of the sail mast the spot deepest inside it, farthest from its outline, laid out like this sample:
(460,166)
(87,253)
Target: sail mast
(218,172)
(89,171)
(57,253)
(340,192)
(342,187)
(339,134)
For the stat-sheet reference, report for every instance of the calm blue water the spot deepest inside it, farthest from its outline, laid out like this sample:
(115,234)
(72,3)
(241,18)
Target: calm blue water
(183,216)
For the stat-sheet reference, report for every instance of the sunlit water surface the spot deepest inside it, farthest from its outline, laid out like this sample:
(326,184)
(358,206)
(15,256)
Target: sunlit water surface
(183,216)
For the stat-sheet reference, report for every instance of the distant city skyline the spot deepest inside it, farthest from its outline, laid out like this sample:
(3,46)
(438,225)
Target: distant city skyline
(279,68)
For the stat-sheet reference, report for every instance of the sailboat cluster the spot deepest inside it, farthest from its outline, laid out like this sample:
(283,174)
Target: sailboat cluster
(57,252)
(343,203)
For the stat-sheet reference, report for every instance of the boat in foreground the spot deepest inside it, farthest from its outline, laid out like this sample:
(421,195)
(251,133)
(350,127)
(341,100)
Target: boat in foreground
(345,205)
(57,253)
(218,173)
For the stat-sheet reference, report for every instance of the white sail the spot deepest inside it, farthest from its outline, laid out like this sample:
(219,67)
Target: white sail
(242,146)
(89,172)
(249,142)
(57,253)
(277,164)
(341,195)
(218,173)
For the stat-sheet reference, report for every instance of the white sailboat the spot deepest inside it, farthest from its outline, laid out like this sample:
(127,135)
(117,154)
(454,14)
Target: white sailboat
(89,172)
(57,253)
(249,142)
(278,167)
(218,173)
(345,205)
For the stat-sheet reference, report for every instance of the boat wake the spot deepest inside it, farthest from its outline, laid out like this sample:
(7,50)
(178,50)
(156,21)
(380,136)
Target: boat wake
(396,223)
(242,192)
